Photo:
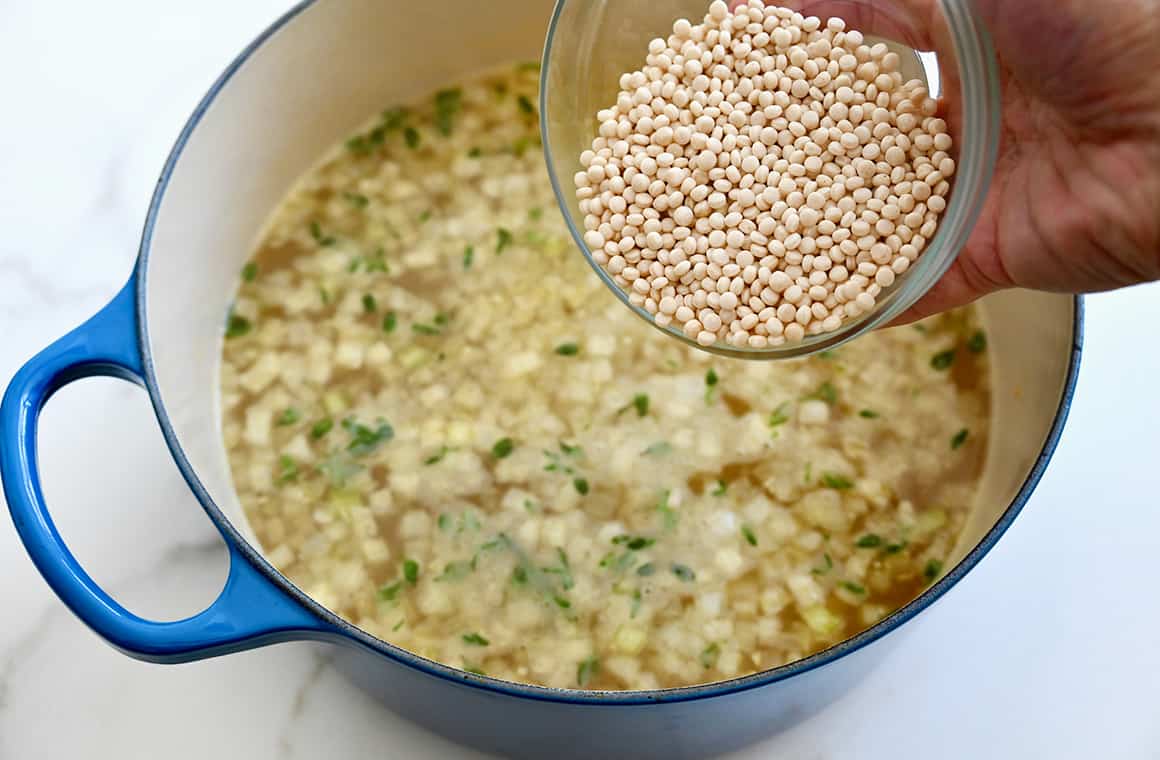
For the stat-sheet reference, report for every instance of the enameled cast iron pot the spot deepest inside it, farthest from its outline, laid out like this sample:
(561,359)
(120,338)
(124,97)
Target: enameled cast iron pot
(308,80)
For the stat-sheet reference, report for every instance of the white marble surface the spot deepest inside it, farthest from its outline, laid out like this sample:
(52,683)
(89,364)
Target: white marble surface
(1048,649)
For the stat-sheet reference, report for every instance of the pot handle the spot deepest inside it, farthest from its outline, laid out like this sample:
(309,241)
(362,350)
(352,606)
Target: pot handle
(250,611)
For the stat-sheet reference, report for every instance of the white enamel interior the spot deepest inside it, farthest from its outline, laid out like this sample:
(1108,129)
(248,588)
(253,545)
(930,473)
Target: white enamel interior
(321,75)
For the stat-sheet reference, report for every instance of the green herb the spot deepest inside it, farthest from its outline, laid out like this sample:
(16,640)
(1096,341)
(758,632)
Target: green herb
(468,521)
(854,588)
(826,392)
(641,402)
(836,481)
(457,570)
(321,428)
(561,602)
(502,448)
(808,477)
(287,469)
(827,566)
(370,305)
(977,343)
(422,329)
(339,468)
(425,216)
(943,360)
(393,118)
(828,355)
(390,321)
(536,214)
(375,262)
(634,543)
(400,624)
(475,152)
(447,104)
(869,414)
(581,486)
(571,451)
(411,137)
(636,602)
(586,669)
(895,548)
(324,294)
(720,488)
(437,456)
(475,639)
(658,449)
(526,105)
(710,654)
(468,256)
(390,592)
(445,522)
(684,572)
(364,439)
(520,575)
(358,200)
(564,570)
(668,514)
(646,569)
(779,416)
(473,669)
(959,439)
(503,239)
(289,416)
(932,569)
(321,239)
(411,571)
(711,381)
(567,349)
(358,144)
(750,536)
(237,326)
(250,271)
(869,541)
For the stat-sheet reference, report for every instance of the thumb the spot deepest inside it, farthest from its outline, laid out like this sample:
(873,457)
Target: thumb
(960,286)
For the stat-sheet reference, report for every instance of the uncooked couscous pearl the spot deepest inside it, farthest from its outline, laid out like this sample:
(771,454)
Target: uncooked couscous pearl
(750,190)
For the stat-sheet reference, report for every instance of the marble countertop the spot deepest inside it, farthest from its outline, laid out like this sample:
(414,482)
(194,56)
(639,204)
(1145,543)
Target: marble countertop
(1047,649)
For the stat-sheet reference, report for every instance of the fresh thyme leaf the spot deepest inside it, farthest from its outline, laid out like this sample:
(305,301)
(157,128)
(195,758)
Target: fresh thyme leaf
(503,448)
(836,481)
(237,326)
(959,439)
(943,360)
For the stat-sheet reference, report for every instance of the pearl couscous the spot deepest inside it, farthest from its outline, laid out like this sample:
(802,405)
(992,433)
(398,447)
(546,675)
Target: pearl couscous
(764,176)
(443,428)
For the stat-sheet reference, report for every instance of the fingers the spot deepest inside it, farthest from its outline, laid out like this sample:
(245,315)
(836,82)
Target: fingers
(958,287)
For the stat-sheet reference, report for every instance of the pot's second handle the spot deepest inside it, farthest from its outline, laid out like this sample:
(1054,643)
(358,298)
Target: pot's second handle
(249,612)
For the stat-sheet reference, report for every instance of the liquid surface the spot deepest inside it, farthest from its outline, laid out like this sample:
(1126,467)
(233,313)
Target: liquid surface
(444,428)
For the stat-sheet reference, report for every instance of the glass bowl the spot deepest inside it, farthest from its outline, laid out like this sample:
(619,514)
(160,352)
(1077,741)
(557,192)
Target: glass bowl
(591,43)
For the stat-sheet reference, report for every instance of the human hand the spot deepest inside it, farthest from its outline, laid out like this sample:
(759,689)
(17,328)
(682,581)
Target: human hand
(1075,204)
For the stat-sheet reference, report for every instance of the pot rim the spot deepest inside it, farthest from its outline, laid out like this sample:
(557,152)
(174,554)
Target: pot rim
(494,685)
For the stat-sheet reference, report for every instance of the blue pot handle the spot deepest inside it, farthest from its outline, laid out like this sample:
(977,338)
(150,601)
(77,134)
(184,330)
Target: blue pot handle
(250,611)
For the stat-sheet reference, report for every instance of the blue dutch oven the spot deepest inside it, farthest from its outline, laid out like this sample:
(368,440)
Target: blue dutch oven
(310,78)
